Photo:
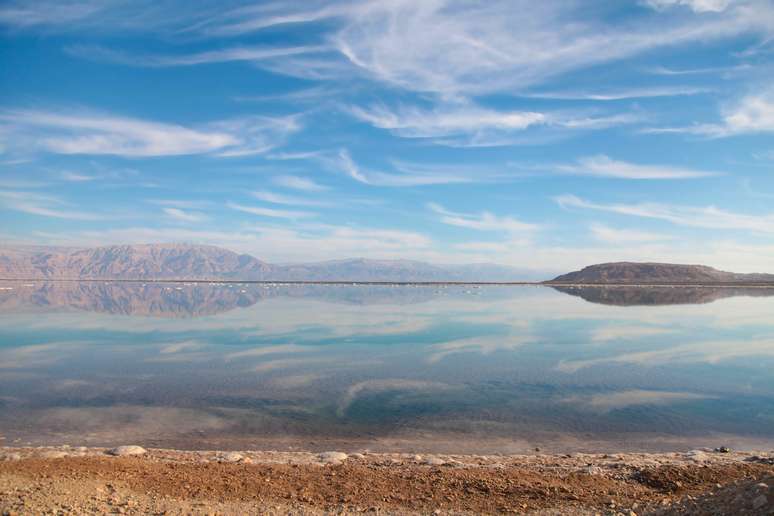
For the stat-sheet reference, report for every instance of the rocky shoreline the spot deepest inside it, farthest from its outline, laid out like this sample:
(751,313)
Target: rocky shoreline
(132,480)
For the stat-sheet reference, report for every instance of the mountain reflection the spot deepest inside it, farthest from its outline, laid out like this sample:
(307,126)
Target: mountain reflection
(181,300)
(186,300)
(654,296)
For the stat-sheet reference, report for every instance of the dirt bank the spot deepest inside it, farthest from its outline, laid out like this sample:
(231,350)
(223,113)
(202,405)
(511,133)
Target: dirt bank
(88,481)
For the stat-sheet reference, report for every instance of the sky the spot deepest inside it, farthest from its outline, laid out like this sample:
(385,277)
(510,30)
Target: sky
(542,135)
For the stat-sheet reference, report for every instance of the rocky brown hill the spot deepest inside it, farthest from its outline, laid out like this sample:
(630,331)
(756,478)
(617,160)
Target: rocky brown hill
(186,261)
(657,273)
(151,261)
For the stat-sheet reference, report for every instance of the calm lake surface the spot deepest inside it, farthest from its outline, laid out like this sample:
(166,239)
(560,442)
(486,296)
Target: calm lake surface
(425,368)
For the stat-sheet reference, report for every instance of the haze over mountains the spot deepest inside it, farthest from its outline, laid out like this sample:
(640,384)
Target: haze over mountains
(184,261)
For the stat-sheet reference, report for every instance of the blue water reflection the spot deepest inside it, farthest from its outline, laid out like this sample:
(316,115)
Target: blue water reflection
(444,368)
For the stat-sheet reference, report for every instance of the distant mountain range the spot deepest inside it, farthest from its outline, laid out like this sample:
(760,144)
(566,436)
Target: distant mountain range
(184,261)
(623,273)
(202,262)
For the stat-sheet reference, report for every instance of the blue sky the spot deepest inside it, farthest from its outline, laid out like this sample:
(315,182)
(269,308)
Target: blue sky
(544,135)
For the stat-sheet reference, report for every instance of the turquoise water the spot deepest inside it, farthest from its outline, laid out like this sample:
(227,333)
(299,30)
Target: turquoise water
(426,368)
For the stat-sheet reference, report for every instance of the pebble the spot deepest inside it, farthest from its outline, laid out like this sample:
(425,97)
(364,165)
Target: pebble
(122,451)
(53,454)
(333,457)
(697,455)
(435,461)
(594,470)
(233,457)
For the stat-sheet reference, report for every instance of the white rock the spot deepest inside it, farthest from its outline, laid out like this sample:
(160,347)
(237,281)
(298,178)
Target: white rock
(357,456)
(233,457)
(697,455)
(435,461)
(594,470)
(13,456)
(333,457)
(122,451)
(53,454)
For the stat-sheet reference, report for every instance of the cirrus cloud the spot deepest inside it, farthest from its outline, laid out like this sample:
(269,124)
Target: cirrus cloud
(88,132)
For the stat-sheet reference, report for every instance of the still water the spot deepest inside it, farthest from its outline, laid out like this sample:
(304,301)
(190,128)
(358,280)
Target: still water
(424,368)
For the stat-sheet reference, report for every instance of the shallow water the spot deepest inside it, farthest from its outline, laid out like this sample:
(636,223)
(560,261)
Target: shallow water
(424,368)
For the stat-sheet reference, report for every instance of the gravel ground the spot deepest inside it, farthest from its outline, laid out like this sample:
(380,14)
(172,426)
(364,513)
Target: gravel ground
(128,480)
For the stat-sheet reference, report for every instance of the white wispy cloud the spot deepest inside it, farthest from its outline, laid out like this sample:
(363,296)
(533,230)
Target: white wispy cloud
(458,48)
(299,183)
(709,217)
(184,204)
(103,16)
(76,177)
(471,48)
(257,17)
(43,205)
(404,176)
(276,198)
(467,125)
(610,235)
(483,221)
(414,122)
(87,132)
(751,114)
(27,14)
(254,54)
(603,166)
(699,6)
(663,70)
(635,93)
(184,216)
(270,212)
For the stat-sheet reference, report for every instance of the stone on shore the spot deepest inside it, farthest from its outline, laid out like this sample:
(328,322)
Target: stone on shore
(53,454)
(333,457)
(123,451)
(233,457)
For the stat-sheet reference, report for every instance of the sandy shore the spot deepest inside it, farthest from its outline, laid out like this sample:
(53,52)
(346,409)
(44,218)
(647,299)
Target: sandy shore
(65,480)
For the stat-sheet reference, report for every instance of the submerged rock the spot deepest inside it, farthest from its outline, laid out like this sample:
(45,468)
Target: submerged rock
(123,451)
